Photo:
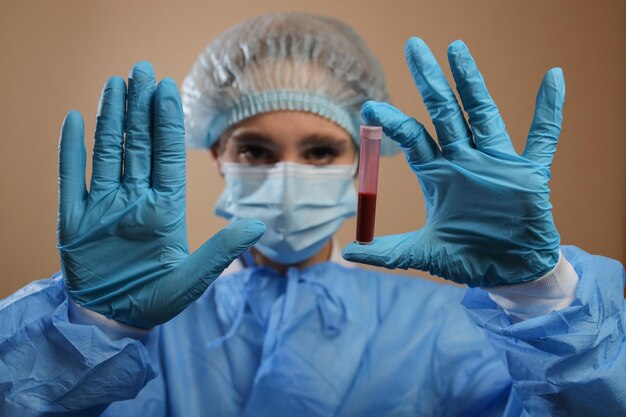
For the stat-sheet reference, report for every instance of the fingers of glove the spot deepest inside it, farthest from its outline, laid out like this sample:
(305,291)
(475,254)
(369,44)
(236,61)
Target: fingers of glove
(169,138)
(138,157)
(546,125)
(216,254)
(437,94)
(484,118)
(417,144)
(393,251)
(109,136)
(72,189)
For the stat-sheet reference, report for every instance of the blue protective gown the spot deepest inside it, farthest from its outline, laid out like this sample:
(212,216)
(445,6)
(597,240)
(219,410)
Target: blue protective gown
(324,341)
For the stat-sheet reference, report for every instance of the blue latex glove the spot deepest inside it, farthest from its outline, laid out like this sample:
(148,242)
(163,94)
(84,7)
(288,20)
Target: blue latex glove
(123,244)
(488,219)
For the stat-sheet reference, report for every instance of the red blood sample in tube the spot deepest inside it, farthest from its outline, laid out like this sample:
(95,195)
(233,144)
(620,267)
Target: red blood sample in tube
(366,218)
(368,182)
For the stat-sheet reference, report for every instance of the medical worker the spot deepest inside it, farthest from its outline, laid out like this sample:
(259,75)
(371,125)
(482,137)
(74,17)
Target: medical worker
(136,325)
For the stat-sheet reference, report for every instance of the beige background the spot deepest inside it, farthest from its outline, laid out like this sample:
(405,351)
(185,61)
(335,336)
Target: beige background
(56,55)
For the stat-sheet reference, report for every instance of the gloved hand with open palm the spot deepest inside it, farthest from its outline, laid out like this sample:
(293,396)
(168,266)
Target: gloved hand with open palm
(488,218)
(123,244)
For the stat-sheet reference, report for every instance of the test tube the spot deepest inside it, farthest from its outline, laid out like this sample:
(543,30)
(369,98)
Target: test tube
(368,182)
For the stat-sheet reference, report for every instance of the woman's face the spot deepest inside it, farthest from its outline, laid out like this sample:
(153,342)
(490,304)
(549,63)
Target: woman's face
(286,136)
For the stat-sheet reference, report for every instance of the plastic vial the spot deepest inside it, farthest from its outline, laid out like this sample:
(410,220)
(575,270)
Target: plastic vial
(368,182)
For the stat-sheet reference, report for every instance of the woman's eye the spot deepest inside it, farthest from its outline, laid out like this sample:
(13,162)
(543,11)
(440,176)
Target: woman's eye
(255,155)
(321,155)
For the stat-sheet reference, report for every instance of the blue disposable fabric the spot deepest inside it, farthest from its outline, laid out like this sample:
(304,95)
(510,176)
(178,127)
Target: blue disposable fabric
(282,61)
(326,340)
(488,211)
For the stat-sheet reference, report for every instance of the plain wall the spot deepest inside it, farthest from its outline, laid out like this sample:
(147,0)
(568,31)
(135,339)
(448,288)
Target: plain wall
(56,55)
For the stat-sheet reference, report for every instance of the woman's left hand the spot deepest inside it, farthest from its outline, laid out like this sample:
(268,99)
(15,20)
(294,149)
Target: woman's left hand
(488,218)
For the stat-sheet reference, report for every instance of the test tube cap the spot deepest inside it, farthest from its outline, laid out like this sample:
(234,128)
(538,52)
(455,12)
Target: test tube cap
(371,132)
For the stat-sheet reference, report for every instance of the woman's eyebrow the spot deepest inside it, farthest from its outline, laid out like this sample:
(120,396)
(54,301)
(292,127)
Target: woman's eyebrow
(317,139)
(251,137)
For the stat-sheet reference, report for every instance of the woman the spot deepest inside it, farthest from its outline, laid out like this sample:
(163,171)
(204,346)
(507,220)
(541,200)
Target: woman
(290,328)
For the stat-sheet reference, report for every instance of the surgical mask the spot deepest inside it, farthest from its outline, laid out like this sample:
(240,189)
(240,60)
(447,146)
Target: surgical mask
(302,206)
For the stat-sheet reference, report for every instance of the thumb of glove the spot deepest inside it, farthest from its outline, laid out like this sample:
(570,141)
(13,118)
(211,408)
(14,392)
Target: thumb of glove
(393,251)
(203,266)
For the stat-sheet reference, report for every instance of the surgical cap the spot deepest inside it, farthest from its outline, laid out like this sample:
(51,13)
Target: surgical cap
(282,61)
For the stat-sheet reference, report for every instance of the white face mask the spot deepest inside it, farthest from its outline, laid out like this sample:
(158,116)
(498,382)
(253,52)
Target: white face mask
(302,206)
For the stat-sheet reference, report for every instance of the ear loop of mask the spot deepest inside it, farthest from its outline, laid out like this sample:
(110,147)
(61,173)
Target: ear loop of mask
(355,164)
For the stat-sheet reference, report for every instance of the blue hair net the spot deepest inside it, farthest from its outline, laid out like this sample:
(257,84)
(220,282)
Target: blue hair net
(282,61)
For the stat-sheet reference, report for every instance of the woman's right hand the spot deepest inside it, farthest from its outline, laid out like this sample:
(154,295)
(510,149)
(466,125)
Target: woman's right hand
(123,243)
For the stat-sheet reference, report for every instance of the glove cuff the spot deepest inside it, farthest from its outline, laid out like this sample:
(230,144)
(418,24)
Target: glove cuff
(555,290)
(112,328)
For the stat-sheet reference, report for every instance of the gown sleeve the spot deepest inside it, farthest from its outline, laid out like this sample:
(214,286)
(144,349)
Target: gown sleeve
(570,362)
(51,366)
